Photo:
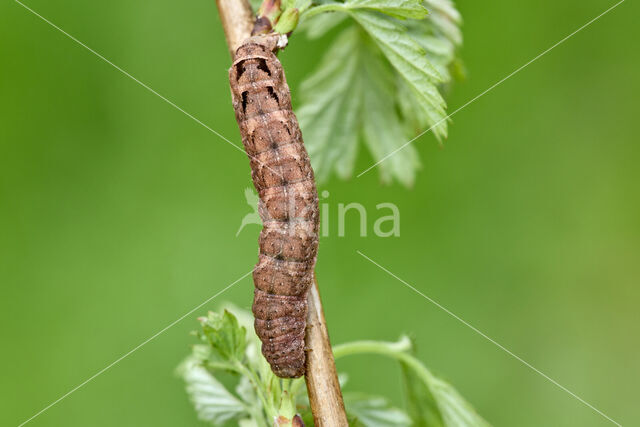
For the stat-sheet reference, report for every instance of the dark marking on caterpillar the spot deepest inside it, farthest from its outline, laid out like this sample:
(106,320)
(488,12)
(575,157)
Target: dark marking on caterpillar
(282,175)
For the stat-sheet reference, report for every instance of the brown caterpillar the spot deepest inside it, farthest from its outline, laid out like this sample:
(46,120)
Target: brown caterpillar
(282,174)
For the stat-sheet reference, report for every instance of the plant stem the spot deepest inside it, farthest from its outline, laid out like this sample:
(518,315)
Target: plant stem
(323,388)
(295,386)
(237,21)
(378,347)
(328,7)
(397,350)
(267,403)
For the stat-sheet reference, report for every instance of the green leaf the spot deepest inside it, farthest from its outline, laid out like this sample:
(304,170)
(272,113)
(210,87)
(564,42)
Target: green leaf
(410,60)
(329,113)
(455,410)
(406,55)
(373,411)
(415,57)
(226,348)
(439,51)
(321,24)
(226,337)
(421,405)
(439,35)
(212,401)
(431,402)
(445,19)
(352,95)
(401,9)
(247,392)
(382,126)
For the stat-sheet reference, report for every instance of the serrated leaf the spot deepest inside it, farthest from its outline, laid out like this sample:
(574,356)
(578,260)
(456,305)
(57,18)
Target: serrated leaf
(455,410)
(432,402)
(422,53)
(439,35)
(211,400)
(410,60)
(226,337)
(247,392)
(352,93)
(382,128)
(421,405)
(329,114)
(401,9)
(445,19)
(373,411)
(321,24)
(440,51)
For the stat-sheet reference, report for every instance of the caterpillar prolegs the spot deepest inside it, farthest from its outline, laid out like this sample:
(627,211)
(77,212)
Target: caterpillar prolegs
(282,175)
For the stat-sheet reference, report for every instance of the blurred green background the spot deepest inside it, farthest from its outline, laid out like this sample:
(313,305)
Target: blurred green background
(118,214)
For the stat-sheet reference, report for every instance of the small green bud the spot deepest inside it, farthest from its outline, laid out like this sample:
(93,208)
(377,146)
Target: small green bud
(288,21)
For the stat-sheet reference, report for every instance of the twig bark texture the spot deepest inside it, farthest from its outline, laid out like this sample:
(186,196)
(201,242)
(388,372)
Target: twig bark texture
(237,22)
